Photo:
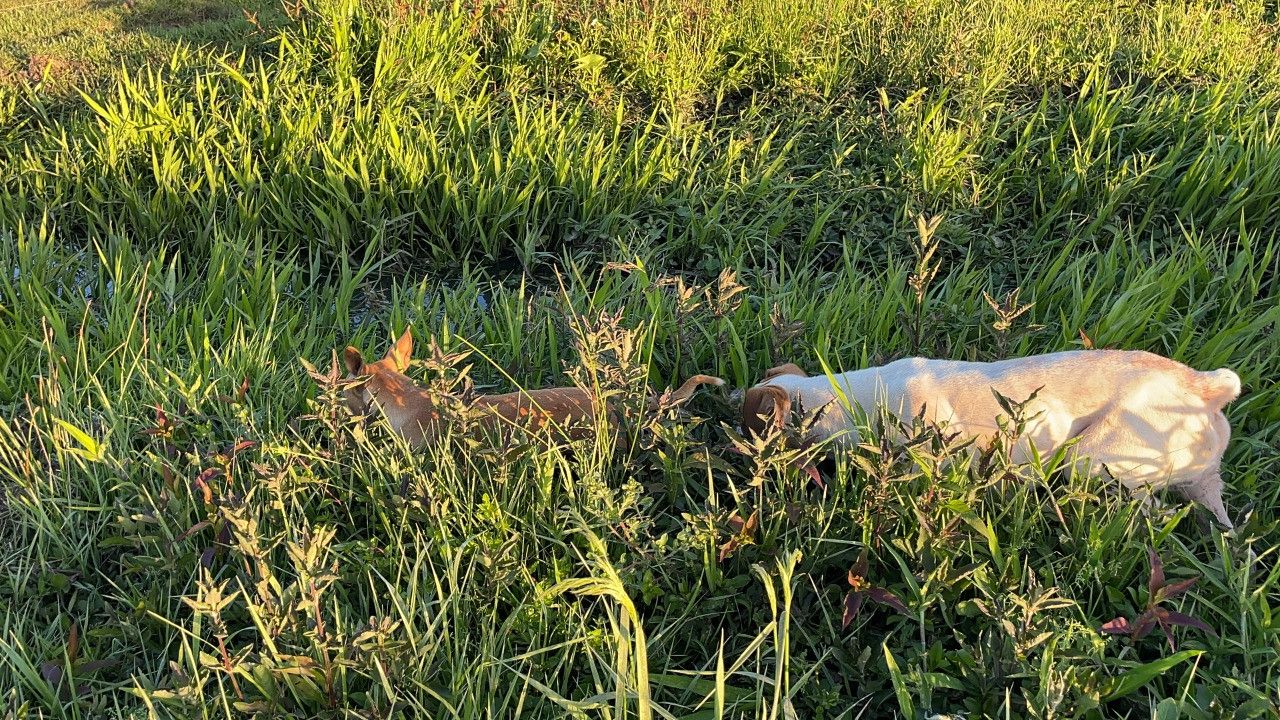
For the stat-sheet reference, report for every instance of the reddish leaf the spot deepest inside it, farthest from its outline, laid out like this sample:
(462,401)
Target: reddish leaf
(1117,626)
(727,549)
(812,472)
(884,597)
(202,483)
(1145,624)
(205,491)
(167,474)
(52,674)
(744,527)
(1173,590)
(226,456)
(163,425)
(239,396)
(224,534)
(1157,571)
(741,530)
(859,569)
(206,557)
(192,531)
(1086,340)
(73,643)
(852,604)
(1177,618)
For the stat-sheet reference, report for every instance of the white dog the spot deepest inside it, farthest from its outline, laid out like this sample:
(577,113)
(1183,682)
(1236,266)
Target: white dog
(1148,421)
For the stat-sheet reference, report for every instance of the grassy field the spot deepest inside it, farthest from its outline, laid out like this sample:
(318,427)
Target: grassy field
(627,192)
(68,44)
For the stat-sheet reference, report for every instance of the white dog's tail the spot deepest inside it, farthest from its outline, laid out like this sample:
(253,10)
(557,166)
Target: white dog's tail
(1218,387)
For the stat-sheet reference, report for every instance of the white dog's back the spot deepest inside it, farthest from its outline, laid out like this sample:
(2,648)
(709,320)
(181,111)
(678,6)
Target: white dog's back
(1149,421)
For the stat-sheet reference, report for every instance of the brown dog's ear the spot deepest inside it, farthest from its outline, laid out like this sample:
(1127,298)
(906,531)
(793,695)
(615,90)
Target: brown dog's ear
(400,353)
(353,360)
(763,405)
(785,369)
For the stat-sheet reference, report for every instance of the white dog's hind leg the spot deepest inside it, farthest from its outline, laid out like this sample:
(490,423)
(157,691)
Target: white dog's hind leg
(1207,491)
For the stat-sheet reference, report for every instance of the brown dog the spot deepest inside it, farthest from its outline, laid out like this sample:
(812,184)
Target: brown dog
(415,416)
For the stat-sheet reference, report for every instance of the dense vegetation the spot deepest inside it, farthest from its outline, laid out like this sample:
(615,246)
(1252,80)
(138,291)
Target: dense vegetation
(632,191)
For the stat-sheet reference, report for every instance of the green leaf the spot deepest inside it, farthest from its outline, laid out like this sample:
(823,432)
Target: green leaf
(905,702)
(591,63)
(90,449)
(700,686)
(1167,710)
(57,581)
(1121,685)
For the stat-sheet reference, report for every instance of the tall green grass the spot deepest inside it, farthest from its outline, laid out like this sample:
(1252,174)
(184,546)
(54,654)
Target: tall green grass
(632,192)
(525,129)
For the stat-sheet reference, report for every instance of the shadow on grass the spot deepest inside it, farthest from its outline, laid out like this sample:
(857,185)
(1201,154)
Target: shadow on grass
(174,17)
(81,44)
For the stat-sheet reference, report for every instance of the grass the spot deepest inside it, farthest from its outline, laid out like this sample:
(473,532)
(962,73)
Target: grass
(83,43)
(632,192)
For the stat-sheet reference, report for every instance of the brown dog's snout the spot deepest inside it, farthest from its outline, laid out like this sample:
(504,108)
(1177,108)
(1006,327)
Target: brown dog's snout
(356,395)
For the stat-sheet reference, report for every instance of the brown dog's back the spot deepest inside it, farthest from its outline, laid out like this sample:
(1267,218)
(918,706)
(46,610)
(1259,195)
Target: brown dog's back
(568,412)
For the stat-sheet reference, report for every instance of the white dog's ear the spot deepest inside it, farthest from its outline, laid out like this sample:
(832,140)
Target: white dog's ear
(785,369)
(763,406)
(354,361)
(402,351)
